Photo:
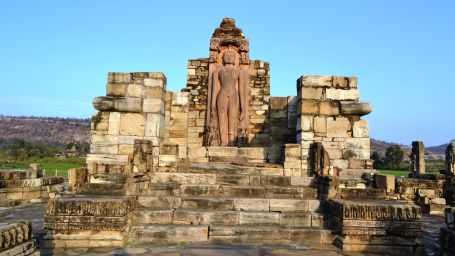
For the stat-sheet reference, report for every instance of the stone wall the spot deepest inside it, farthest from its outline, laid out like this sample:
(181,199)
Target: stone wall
(329,111)
(132,110)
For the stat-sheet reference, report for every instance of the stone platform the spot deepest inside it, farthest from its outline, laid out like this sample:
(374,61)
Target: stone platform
(228,203)
(18,186)
(378,226)
(88,221)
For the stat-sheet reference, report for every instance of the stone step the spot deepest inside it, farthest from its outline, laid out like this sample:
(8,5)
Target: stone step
(229,203)
(171,234)
(269,235)
(163,234)
(195,217)
(229,179)
(175,189)
(224,168)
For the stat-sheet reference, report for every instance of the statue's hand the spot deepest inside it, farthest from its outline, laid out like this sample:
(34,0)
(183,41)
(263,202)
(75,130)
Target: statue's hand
(242,115)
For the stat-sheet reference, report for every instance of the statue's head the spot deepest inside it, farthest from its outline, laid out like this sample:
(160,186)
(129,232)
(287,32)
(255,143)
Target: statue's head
(229,57)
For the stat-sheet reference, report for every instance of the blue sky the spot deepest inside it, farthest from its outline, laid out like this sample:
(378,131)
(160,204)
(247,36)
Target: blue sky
(55,55)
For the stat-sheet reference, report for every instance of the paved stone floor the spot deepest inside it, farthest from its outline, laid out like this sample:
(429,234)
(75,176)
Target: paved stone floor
(35,212)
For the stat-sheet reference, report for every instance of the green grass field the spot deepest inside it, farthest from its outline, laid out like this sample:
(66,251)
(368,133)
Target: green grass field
(51,166)
(399,173)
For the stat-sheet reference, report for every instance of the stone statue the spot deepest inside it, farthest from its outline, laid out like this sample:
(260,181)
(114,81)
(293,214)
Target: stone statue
(228,106)
(450,158)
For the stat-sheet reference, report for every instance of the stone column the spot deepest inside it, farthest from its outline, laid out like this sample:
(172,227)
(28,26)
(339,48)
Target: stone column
(418,157)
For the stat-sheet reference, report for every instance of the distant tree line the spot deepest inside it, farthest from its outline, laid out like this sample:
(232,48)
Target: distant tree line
(20,149)
(48,118)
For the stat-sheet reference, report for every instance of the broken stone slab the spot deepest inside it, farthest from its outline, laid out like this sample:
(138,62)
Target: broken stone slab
(355,108)
(43,181)
(368,193)
(119,104)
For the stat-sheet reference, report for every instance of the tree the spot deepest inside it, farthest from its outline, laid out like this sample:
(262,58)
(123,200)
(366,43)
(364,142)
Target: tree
(378,160)
(393,157)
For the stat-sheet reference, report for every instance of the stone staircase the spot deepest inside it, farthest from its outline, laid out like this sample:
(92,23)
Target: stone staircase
(228,203)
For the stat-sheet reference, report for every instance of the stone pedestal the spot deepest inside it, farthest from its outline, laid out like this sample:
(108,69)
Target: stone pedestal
(88,221)
(377,226)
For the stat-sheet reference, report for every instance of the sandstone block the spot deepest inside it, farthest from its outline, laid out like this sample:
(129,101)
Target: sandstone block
(305,123)
(154,126)
(117,104)
(150,82)
(259,218)
(315,81)
(310,93)
(134,90)
(197,152)
(320,125)
(153,106)
(308,107)
(288,205)
(340,81)
(104,139)
(292,150)
(339,94)
(385,181)
(103,149)
(132,124)
(355,108)
(114,123)
(295,219)
(338,127)
(278,103)
(329,108)
(251,204)
(118,90)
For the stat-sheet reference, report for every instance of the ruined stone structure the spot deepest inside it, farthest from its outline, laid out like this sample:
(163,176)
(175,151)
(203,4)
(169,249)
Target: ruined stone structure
(16,239)
(418,157)
(447,233)
(222,161)
(17,186)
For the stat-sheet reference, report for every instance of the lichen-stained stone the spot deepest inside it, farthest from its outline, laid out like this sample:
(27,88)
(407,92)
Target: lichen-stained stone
(340,81)
(360,129)
(355,108)
(169,233)
(14,233)
(304,123)
(205,217)
(315,81)
(27,183)
(119,104)
(338,127)
(132,124)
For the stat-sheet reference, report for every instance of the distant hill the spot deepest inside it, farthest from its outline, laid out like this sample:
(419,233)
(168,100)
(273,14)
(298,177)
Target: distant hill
(430,152)
(45,129)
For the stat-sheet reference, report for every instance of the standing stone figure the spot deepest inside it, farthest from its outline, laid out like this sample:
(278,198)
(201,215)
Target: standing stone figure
(450,158)
(228,104)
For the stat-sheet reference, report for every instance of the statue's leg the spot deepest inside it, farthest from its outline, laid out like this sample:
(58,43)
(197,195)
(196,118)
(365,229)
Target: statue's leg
(233,112)
(222,106)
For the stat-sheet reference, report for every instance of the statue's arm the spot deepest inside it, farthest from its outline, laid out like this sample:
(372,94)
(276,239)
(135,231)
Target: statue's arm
(215,89)
(243,91)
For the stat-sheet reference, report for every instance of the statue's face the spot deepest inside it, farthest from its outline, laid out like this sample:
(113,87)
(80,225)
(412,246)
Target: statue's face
(228,57)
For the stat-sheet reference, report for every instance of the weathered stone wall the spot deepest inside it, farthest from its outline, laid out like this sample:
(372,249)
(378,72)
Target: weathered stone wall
(329,111)
(259,130)
(132,110)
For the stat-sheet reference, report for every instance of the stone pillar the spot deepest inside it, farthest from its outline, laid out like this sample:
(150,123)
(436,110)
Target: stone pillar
(329,113)
(418,157)
(450,158)
(133,109)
